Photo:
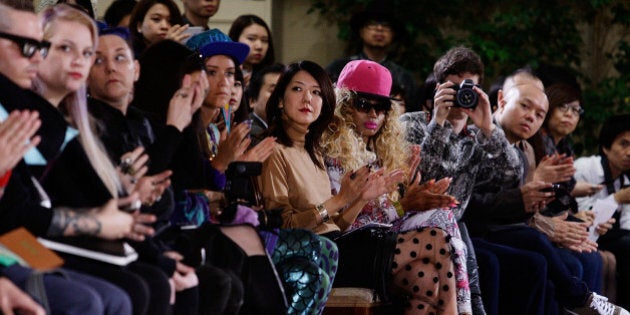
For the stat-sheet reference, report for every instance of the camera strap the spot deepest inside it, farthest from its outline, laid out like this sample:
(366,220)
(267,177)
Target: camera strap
(610,186)
(608,180)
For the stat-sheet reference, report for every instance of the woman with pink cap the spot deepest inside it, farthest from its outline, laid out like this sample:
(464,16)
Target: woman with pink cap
(294,176)
(366,130)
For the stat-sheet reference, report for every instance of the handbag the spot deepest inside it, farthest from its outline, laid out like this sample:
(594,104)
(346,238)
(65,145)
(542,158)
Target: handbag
(365,259)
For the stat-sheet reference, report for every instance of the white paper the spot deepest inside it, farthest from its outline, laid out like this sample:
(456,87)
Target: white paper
(603,210)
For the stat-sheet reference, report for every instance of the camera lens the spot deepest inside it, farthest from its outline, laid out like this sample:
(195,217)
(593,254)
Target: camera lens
(466,98)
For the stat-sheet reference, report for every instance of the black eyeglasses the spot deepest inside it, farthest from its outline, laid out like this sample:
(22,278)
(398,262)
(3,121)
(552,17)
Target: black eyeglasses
(28,46)
(365,105)
(577,110)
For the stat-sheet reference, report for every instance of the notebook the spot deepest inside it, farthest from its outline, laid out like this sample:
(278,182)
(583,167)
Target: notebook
(30,252)
(113,252)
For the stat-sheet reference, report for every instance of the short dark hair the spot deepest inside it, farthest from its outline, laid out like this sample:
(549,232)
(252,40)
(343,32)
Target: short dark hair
(138,14)
(162,68)
(559,94)
(612,128)
(258,78)
(117,11)
(315,129)
(243,22)
(458,60)
(20,5)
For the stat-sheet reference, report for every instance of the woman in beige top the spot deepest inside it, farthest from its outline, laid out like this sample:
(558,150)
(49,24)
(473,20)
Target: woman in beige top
(294,177)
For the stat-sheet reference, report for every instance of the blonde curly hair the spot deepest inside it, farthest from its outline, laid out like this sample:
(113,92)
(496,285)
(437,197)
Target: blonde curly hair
(342,142)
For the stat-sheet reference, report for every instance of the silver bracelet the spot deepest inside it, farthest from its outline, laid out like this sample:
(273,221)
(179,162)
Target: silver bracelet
(323,212)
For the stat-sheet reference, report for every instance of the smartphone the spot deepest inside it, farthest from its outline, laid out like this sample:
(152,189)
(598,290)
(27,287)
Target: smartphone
(192,30)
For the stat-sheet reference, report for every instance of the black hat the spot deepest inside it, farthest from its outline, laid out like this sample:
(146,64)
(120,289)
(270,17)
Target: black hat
(379,11)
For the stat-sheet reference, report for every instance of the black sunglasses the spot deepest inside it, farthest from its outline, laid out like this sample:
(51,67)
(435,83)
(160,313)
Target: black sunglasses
(365,105)
(28,46)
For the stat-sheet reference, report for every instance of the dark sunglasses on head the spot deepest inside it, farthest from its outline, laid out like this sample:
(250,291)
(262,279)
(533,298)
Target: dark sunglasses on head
(365,105)
(28,46)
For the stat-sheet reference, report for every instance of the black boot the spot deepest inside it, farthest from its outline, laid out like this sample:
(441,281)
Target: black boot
(263,289)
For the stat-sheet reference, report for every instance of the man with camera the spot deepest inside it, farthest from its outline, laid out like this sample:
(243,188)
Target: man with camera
(452,149)
(483,157)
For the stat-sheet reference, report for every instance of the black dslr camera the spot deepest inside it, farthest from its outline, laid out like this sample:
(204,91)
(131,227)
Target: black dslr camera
(466,97)
(239,188)
(563,201)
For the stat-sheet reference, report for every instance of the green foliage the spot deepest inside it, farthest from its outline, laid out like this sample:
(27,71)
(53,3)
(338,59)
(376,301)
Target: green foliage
(509,35)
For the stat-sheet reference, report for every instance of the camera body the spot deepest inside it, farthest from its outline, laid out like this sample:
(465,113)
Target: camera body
(238,187)
(554,188)
(465,96)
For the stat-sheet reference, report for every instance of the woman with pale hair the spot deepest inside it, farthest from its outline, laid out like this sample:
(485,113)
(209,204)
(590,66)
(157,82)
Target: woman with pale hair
(429,256)
(81,176)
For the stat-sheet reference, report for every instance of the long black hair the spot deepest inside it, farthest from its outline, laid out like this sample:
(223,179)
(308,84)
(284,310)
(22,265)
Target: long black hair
(138,14)
(316,128)
(243,22)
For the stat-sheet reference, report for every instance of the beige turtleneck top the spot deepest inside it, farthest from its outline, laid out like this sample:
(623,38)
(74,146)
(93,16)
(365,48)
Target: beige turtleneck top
(290,180)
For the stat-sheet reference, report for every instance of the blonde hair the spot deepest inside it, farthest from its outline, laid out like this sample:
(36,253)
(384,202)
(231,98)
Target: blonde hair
(343,143)
(74,105)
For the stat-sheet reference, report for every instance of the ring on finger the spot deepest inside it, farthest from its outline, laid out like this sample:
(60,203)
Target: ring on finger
(131,170)
(125,165)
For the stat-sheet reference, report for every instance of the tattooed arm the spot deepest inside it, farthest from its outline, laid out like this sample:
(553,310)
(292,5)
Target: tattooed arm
(106,222)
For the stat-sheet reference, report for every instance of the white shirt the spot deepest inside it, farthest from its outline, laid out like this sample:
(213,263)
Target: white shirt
(589,169)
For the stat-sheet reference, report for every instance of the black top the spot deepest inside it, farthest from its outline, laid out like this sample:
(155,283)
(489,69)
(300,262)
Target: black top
(71,181)
(20,205)
(191,169)
(121,134)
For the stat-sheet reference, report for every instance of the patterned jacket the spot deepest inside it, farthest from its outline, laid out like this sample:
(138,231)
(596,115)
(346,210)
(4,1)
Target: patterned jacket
(470,158)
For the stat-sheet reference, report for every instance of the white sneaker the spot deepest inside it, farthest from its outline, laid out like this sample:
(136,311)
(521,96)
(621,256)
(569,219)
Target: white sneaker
(598,305)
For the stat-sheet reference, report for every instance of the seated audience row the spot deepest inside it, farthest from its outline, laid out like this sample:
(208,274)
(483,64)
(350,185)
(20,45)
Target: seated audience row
(248,187)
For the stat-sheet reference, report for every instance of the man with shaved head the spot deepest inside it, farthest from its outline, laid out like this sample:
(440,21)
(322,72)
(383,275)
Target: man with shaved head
(501,209)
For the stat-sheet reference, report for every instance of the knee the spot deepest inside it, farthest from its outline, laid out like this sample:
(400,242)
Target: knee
(302,272)
(535,264)
(431,246)
(116,303)
(78,298)
(298,243)
(246,237)
(215,277)
(83,301)
(328,256)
